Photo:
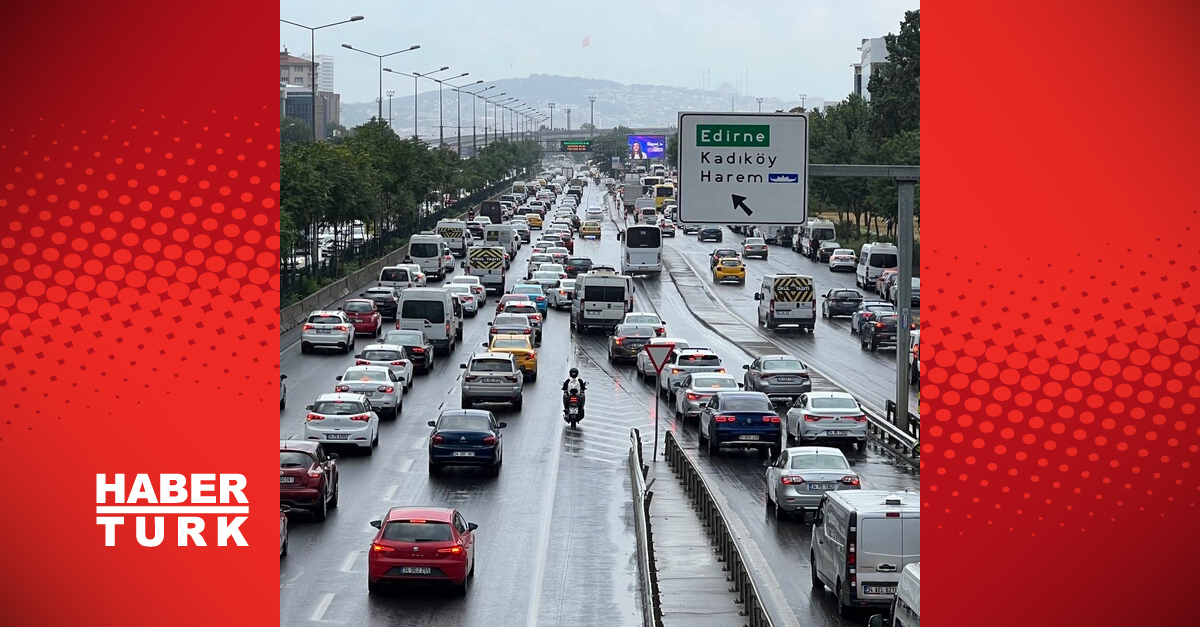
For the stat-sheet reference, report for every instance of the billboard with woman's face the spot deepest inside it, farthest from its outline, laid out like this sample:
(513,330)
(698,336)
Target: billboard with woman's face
(647,146)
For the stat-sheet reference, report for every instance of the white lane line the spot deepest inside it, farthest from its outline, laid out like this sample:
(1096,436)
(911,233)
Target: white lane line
(348,563)
(391,492)
(418,443)
(405,467)
(319,613)
(535,599)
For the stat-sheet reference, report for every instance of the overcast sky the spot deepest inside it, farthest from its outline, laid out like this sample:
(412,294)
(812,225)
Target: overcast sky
(767,48)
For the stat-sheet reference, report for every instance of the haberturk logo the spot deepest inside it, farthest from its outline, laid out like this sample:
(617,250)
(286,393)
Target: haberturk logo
(196,505)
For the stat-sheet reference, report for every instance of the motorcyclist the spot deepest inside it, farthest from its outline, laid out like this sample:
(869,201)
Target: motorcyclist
(573,386)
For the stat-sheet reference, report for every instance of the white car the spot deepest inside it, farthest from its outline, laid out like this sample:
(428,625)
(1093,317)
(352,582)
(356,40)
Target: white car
(594,213)
(685,362)
(416,271)
(327,329)
(379,384)
(826,416)
(466,297)
(647,319)
(560,295)
(843,258)
(554,267)
(546,278)
(474,283)
(343,418)
(645,369)
(388,356)
(537,259)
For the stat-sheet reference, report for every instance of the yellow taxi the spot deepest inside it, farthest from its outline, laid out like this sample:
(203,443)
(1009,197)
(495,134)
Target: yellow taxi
(534,220)
(729,269)
(521,348)
(590,228)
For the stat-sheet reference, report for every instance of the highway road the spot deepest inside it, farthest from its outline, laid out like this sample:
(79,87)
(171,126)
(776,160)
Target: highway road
(555,539)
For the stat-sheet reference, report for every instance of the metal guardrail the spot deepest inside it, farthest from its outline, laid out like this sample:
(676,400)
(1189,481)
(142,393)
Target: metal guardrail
(651,601)
(909,438)
(730,554)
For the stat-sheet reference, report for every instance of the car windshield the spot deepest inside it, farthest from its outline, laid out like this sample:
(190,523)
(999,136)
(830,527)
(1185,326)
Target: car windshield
(699,359)
(579,263)
(641,318)
(363,374)
(510,343)
(747,403)
(566,285)
(632,331)
(510,320)
(731,263)
(544,258)
(832,402)
(719,383)
(725,252)
(458,289)
(295,459)
(847,294)
(528,289)
(431,310)
(755,241)
(404,338)
(883,260)
(491,365)
(324,320)
(819,461)
(520,308)
(843,251)
(643,237)
(546,275)
(357,307)
(393,274)
(384,296)
(782,364)
(426,531)
(880,308)
(461,422)
(515,298)
(381,355)
(338,408)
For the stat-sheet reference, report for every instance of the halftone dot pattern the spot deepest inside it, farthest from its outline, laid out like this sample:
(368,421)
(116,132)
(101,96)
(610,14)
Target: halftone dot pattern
(133,252)
(1041,409)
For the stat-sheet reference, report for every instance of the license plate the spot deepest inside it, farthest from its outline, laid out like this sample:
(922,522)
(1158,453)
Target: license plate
(337,436)
(287,480)
(879,589)
(573,411)
(748,438)
(464,453)
(786,379)
(422,570)
(491,380)
(324,330)
(836,432)
(821,486)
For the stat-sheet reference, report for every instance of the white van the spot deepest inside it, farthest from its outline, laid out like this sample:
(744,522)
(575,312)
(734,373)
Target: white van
(872,261)
(601,300)
(812,233)
(906,607)
(642,248)
(487,263)
(398,277)
(787,299)
(425,250)
(434,311)
(502,235)
(861,541)
(454,232)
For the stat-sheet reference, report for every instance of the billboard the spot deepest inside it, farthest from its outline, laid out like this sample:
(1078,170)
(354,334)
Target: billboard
(647,146)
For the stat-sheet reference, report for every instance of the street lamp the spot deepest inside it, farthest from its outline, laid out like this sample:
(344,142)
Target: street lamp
(475,117)
(390,93)
(380,58)
(415,76)
(592,115)
(551,105)
(759,101)
(803,97)
(458,133)
(441,127)
(486,102)
(312,33)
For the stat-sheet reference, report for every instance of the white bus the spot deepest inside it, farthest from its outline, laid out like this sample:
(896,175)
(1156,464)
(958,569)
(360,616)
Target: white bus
(642,250)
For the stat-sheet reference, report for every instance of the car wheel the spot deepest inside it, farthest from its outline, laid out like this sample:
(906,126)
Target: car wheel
(434,468)
(817,584)
(844,609)
(520,400)
(495,470)
(320,511)
(466,403)
(713,448)
(373,587)
(283,403)
(769,501)
(874,345)
(283,553)
(461,589)
(337,492)
(780,513)
(305,349)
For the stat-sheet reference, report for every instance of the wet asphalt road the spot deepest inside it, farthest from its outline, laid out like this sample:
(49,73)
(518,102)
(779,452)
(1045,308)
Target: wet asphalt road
(555,541)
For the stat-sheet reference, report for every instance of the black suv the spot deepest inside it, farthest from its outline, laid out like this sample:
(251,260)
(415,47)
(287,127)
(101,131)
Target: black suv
(710,232)
(577,265)
(881,332)
(840,302)
(418,348)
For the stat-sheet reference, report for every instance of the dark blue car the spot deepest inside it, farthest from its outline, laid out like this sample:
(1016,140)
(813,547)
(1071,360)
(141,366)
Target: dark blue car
(744,419)
(466,437)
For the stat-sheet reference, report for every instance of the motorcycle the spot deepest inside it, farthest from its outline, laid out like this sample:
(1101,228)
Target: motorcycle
(573,413)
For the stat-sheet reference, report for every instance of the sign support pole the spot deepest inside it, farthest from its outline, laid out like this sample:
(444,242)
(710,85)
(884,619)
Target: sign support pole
(904,244)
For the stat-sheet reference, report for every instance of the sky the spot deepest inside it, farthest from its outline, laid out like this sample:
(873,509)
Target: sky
(766,48)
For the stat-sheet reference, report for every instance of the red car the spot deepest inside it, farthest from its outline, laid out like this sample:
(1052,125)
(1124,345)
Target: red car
(365,315)
(421,544)
(308,477)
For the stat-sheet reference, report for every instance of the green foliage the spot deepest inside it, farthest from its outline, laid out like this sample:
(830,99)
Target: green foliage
(896,86)
(673,149)
(614,143)
(294,130)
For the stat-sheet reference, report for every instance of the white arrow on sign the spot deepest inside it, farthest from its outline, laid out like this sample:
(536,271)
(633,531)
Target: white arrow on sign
(658,354)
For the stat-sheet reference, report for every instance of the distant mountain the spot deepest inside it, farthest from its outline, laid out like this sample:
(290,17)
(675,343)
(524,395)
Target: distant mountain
(635,106)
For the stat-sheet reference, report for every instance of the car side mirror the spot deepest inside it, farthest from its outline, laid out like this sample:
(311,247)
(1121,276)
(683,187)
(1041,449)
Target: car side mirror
(876,620)
(472,526)
(489,324)
(432,423)
(282,377)
(463,366)
(333,456)
(503,425)
(308,407)
(745,366)
(462,264)
(851,463)
(741,385)
(377,524)
(812,517)
(358,356)
(758,296)
(485,344)
(338,378)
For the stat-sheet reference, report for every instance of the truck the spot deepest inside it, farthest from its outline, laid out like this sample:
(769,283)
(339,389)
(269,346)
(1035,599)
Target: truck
(493,210)
(568,171)
(630,192)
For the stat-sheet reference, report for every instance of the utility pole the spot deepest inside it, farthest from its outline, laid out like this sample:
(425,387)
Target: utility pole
(551,105)
(803,98)
(390,93)
(568,121)
(592,116)
(759,101)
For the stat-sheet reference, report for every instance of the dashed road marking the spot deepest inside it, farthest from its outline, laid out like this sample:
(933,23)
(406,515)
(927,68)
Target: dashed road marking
(322,607)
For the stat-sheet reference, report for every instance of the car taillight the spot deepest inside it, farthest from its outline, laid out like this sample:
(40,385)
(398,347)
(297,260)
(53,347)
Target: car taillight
(860,419)
(574,399)
(851,550)
(340,327)
(379,548)
(342,388)
(510,379)
(721,370)
(491,439)
(766,376)
(418,350)
(770,418)
(308,327)
(386,389)
(437,439)
(619,341)
(311,417)
(692,396)
(660,330)
(399,363)
(771,304)
(315,472)
(811,418)
(470,378)
(725,419)
(878,325)
(453,550)
(361,362)
(562,292)
(674,370)
(850,480)
(527,331)
(791,480)
(361,418)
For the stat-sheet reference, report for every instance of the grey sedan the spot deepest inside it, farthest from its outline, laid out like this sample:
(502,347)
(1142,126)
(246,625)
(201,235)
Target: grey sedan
(780,377)
(802,475)
(379,384)
(696,389)
(628,340)
(832,416)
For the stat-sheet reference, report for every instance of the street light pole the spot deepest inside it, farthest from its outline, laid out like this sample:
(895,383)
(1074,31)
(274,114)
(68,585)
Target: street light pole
(803,98)
(312,53)
(759,101)
(390,93)
(380,57)
(551,105)
(475,118)
(592,116)
(568,121)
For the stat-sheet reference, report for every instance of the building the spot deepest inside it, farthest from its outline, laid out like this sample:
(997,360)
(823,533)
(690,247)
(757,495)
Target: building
(874,52)
(324,71)
(294,70)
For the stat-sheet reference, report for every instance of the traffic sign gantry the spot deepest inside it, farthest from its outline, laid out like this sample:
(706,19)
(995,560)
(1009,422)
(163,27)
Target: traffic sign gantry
(658,354)
(584,145)
(739,168)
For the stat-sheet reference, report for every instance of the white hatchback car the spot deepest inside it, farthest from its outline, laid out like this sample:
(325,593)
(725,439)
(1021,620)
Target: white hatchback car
(476,285)
(343,418)
(379,384)
(645,369)
(827,416)
(468,298)
(389,356)
(416,271)
(327,329)
(842,259)
(594,213)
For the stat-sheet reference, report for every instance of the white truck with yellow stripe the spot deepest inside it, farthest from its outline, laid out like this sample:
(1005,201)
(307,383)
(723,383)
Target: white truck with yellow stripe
(787,299)
(456,236)
(487,263)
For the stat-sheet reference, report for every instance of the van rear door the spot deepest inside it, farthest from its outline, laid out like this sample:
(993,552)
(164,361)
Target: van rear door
(881,553)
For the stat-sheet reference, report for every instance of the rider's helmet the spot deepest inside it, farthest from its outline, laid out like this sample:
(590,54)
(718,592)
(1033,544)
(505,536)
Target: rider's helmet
(574,372)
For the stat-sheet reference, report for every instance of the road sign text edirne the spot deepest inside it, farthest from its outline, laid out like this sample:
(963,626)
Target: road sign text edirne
(743,168)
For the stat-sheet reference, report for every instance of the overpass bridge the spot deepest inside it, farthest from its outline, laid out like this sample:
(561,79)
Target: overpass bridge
(548,139)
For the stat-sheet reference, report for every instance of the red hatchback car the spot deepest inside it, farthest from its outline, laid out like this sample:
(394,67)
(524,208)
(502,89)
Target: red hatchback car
(365,315)
(421,544)
(308,477)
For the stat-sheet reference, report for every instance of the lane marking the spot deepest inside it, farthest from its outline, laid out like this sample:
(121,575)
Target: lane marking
(405,467)
(348,564)
(391,492)
(319,613)
(535,599)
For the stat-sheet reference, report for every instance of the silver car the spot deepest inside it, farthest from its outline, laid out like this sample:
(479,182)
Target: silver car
(327,329)
(834,416)
(802,475)
(780,377)
(391,356)
(695,390)
(560,295)
(379,384)
(466,296)
(546,278)
(492,378)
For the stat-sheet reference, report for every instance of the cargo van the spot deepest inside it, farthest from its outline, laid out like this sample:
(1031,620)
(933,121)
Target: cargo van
(812,233)
(502,235)
(906,607)
(425,250)
(601,300)
(434,311)
(397,277)
(861,541)
(787,299)
(487,263)
(454,232)
(872,261)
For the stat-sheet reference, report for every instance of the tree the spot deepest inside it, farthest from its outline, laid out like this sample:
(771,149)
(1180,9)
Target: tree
(292,130)
(587,126)
(896,86)
(673,150)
